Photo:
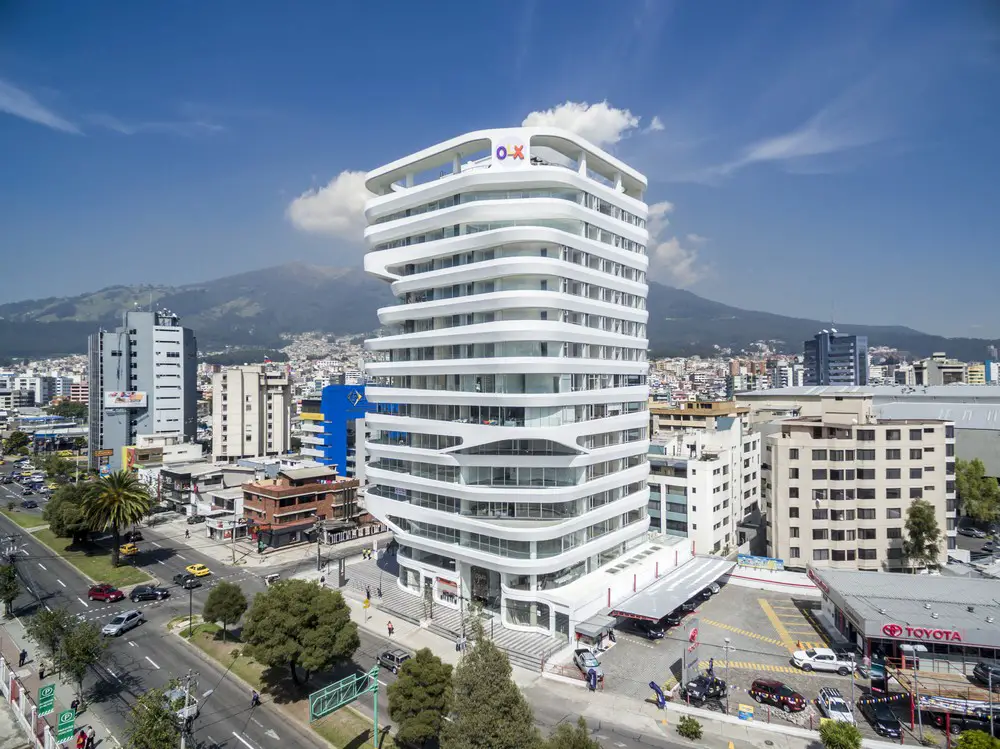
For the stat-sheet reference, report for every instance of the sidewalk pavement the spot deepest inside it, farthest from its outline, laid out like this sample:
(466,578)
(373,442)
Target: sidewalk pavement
(13,639)
(246,554)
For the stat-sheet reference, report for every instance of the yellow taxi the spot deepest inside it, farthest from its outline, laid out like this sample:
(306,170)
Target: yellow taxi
(128,550)
(65,453)
(52,485)
(198,570)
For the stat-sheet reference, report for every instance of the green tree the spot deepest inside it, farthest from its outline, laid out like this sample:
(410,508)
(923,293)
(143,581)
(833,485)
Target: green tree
(491,711)
(16,441)
(226,603)
(978,493)
(152,723)
(9,588)
(572,737)
(58,467)
(976,740)
(80,444)
(116,501)
(838,734)
(69,410)
(64,512)
(49,626)
(298,623)
(81,648)
(420,698)
(922,545)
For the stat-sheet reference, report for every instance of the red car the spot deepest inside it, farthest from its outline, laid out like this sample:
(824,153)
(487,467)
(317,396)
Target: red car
(775,693)
(105,592)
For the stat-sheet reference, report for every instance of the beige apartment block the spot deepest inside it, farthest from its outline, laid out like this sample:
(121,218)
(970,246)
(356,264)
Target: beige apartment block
(251,413)
(838,485)
(688,415)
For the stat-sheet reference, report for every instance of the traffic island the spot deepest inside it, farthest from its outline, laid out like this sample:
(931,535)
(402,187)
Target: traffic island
(91,560)
(24,519)
(344,728)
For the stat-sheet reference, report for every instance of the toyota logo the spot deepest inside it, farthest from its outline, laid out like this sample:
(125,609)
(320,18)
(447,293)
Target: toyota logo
(892,630)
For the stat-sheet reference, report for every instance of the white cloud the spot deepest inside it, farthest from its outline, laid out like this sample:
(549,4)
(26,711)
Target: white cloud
(680,265)
(657,221)
(19,103)
(601,123)
(656,125)
(669,260)
(336,209)
(187,128)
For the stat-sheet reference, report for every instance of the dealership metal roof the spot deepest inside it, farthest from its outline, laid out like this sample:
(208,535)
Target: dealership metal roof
(677,586)
(915,599)
(965,415)
(958,393)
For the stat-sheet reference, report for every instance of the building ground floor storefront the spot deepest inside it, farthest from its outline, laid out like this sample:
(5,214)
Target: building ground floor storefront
(936,637)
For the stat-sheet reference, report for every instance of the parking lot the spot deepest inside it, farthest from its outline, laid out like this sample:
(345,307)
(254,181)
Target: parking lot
(763,630)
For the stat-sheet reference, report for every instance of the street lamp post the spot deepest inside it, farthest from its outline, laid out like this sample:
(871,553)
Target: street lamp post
(989,692)
(726,640)
(190,612)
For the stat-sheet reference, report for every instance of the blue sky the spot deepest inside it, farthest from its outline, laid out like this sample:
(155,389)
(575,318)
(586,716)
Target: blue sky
(811,159)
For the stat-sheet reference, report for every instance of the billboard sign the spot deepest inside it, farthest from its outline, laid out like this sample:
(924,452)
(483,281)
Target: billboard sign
(125,399)
(760,563)
(511,150)
(103,453)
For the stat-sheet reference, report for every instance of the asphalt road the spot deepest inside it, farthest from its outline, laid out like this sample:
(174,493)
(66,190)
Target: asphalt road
(148,657)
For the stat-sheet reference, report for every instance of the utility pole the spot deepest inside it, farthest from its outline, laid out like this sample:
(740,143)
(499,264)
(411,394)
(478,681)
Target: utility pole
(726,640)
(233,544)
(318,530)
(187,697)
(989,692)
(916,693)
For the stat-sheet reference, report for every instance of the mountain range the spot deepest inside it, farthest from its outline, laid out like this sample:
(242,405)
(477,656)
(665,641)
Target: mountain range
(253,310)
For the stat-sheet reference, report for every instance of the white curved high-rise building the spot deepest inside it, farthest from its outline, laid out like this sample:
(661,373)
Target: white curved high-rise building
(508,445)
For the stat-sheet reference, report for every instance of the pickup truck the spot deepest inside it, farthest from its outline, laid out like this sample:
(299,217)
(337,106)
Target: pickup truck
(824,659)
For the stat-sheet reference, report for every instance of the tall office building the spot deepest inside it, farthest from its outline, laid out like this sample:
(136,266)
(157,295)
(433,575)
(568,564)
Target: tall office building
(515,368)
(833,358)
(142,378)
(251,412)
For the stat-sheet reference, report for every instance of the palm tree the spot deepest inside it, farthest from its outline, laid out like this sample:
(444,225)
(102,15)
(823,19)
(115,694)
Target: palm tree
(116,501)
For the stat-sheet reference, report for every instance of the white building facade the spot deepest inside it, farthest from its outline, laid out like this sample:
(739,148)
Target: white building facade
(251,412)
(703,483)
(508,443)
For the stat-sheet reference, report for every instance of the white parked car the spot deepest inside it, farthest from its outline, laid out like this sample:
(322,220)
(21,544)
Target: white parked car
(823,659)
(833,705)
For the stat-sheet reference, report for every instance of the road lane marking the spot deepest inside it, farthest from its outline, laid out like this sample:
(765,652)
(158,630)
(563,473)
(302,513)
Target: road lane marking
(739,631)
(257,722)
(156,544)
(60,582)
(779,627)
(160,561)
(83,602)
(24,551)
(180,557)
(243,740)
(132,644)
(42,566)
(152,661)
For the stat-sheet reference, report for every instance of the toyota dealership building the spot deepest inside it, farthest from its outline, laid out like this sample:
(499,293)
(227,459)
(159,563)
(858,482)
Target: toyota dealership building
(939,617)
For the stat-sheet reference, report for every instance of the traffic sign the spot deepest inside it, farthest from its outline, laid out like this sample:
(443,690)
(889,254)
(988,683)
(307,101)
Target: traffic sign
(47,699)
(65,725)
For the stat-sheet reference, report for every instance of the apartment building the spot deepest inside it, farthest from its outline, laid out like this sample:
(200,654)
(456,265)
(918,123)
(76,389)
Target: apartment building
(251,412)
(704,483)
(79,392)
(333,428)
(833,358)
(691,415)
(286,508)
(143,380)
(939,370)
(838,484)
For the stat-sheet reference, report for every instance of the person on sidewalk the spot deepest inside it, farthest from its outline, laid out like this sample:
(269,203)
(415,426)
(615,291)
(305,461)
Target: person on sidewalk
(22,658)
(368,592)
(81,740)
(91,737)
(389,626)
(75,706)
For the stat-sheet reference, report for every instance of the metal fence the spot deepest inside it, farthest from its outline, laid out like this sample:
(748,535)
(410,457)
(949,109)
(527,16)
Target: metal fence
(24,708)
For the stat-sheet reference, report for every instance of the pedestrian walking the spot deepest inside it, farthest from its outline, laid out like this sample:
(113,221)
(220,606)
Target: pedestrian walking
(22,658)
(368,592)
(389,627)
(379,591)
(91,736)
(81,740)
(254,698)
(41,670)
(75,706)
(711,667)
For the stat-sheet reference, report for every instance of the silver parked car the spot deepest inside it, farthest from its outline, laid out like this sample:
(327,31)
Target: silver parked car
(123,623)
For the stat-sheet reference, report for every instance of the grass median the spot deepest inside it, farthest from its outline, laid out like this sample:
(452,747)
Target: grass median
(345,728)
(24,519)
(92,560)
